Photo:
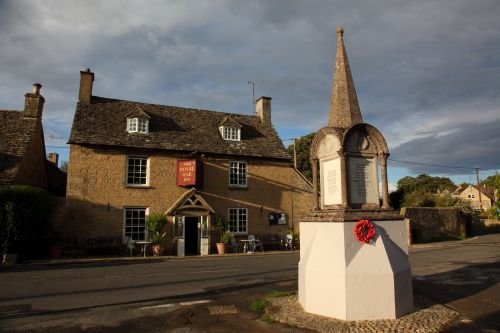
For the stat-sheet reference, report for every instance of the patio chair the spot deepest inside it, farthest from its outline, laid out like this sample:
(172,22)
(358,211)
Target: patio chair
(289,242)
(130,245)
(255,244)
(234,245)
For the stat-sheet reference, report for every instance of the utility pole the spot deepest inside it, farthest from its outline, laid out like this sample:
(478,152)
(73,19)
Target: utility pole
(294,154)
(479,189)
(253,94)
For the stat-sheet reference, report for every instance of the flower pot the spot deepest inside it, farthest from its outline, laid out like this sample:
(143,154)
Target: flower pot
(221,248)
(158,250)
(56,250)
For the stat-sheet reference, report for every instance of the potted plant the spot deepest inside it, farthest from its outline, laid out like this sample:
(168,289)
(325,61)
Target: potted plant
(295,238)
(224,235)
(155,223)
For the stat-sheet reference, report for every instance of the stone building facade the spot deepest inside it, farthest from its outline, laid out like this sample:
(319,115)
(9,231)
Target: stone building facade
(126,162)
(22,148)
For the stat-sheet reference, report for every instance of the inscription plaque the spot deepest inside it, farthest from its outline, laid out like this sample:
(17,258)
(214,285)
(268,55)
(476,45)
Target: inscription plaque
(331,185)
(363,180)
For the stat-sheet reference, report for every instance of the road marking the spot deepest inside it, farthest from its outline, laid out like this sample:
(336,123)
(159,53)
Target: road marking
(179,273)
(201,301)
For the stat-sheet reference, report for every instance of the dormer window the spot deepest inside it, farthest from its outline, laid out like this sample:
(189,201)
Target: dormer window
(137,125)
(137,121)
(231,133)
(230,129)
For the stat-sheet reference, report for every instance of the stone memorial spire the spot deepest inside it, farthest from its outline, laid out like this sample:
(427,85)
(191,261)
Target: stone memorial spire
(354,256)
(344,107)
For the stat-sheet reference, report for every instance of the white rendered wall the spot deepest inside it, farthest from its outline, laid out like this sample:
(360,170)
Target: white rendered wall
(342,278)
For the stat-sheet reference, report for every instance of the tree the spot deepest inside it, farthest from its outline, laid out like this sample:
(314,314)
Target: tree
(64,166)
(302,146)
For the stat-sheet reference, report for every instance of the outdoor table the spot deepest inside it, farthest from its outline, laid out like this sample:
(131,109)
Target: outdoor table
(246,242)
(144,246)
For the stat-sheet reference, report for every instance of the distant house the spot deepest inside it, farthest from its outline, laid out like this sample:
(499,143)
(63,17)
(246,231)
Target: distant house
(472,194)
(130,159)
(22,148)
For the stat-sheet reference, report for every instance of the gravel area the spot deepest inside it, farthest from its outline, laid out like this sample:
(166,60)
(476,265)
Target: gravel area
(287,310)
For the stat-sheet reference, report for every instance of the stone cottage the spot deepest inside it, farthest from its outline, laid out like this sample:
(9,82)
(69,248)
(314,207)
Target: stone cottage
(22,148)
(131,159)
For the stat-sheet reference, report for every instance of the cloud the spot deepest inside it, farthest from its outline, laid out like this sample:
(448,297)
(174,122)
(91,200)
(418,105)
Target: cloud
(425,71)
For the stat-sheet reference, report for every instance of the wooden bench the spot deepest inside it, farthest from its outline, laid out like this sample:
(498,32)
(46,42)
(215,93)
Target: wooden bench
(271,242)
(104,245)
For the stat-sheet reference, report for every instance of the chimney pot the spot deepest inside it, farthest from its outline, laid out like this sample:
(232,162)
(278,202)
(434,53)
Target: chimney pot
(36,88)
(54,158)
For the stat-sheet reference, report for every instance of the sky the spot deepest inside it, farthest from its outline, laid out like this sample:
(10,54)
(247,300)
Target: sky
(427,73)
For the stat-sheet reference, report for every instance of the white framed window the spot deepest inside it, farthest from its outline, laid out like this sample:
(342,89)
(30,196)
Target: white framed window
(237,173)
(137,125)
(134,223)
(137,171)
(231,133)
(471,196)
(238,220)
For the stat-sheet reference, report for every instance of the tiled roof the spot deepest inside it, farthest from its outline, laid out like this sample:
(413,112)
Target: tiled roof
(103,122)
(14,138)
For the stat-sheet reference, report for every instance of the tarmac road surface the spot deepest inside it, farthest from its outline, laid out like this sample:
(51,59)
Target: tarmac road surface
(150,295)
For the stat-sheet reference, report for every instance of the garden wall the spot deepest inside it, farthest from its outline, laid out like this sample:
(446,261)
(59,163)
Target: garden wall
(429,223)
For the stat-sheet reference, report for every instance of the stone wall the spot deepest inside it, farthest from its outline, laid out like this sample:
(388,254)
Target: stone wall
(32,170)
(97,194)
(428,223)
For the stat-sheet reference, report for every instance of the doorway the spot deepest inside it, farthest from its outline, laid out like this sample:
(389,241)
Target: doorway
(191,236)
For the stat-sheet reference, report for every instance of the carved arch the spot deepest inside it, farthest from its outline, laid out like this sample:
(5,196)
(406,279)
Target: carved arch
(319,137)
(374,135)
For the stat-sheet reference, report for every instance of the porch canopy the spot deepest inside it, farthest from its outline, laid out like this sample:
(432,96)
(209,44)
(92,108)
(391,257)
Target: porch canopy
(190,204)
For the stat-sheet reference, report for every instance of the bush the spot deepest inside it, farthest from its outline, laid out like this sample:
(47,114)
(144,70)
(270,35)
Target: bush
(24,221)
(155,223)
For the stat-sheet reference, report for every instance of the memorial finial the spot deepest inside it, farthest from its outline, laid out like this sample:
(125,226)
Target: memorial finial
(344,107)
(340,31)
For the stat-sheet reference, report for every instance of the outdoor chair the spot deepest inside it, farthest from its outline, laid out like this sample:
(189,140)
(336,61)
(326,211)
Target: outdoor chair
(234,245)
(289,242)
(254,244)
(130,245)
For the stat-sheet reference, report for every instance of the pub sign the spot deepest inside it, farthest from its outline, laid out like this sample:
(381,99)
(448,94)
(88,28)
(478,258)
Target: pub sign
(189,173)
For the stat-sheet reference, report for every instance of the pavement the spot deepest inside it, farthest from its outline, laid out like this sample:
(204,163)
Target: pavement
(463,276)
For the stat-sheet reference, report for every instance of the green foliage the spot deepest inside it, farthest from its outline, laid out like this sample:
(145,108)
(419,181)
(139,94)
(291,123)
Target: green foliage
(225,237)
(221,225)
(155,223)
(259,305)
(295,234)
(302,146)
(425,183)
(24,221)
(64,166)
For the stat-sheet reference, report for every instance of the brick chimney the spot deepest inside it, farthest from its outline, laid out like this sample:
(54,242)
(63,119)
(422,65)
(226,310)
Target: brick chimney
(54,158)
(263,109)
(33,103)
(86,81)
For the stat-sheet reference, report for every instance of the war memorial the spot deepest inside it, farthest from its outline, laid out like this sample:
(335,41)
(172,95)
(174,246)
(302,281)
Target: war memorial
(354,256)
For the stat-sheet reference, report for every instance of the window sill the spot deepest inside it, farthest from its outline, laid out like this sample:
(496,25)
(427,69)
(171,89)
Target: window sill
(139,186)
(238,187)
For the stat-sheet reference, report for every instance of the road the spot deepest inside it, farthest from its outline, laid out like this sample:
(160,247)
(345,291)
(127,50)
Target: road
(464,275)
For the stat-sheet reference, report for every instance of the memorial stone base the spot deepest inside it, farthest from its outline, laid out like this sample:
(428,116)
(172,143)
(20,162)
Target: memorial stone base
(343,278)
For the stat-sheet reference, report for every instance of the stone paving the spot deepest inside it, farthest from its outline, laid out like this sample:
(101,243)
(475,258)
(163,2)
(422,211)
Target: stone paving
(435,318)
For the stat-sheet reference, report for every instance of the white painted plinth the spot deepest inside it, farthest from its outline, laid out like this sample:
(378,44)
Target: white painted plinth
(342,278)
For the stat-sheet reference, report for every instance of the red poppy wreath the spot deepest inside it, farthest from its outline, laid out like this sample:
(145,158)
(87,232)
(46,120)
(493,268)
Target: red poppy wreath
(364,231)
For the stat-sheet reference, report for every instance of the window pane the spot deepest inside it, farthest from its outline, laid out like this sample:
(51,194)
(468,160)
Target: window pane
(137,170)
(135,222)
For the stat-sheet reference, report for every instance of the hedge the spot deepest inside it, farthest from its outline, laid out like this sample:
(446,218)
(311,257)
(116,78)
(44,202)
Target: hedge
(24,221)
